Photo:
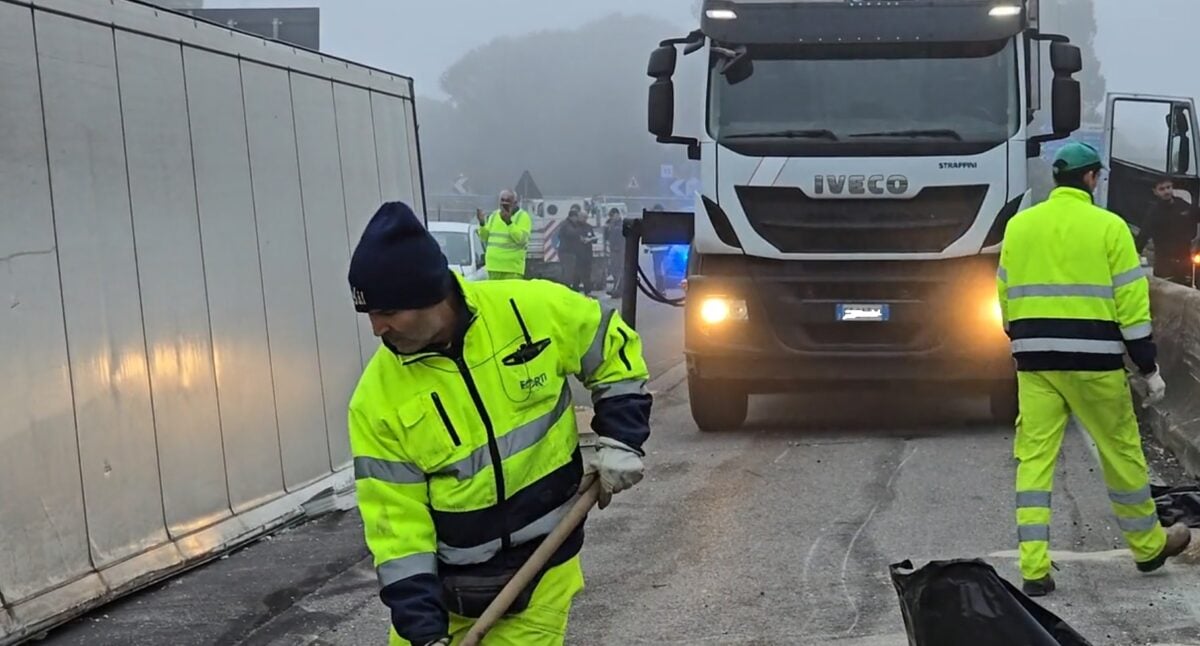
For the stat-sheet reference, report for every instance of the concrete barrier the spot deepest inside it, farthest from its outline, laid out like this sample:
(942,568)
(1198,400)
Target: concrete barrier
(1176,421)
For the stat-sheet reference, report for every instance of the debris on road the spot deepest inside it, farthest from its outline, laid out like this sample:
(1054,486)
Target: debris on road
(967,602)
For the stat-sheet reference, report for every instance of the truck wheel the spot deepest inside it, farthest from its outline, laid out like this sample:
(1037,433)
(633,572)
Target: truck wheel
(716,405)
(1003,401)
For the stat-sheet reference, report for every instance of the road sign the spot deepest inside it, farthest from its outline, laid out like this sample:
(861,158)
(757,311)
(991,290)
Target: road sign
(679,187)
(667,171)
(460,185)
(633,184)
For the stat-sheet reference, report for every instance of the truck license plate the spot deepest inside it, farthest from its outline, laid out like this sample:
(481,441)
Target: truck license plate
(864,313)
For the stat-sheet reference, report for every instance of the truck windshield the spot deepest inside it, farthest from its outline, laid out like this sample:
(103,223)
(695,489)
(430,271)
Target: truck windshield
(838,93)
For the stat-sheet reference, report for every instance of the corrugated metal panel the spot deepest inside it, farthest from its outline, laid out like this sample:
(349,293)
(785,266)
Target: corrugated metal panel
(105,339)
(286,281)
(328,254)
(391,145)
(43,532)
(171,275)
(360,176)
(147,386)
(235,286)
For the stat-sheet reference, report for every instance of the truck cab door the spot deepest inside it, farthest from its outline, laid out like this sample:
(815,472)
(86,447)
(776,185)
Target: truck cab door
(1147,138)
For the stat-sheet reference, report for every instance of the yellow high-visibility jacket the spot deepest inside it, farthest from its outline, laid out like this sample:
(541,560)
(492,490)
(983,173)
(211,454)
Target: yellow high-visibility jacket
(466,458)
(506,244)
(1073,293)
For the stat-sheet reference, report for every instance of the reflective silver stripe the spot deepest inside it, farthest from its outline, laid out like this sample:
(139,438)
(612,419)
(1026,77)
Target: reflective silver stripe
(618,389)
(1026,291)
(507,246)
(513,442)
(1088,346)
(1026,533)
(481,553)
(1132,276)
(390,572)
(387,471)
(595,353)
(1002,274)
(1142,524)
(1027,499)
(1130,497)
(1139,331)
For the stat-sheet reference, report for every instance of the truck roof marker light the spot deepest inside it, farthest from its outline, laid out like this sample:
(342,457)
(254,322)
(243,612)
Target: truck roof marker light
(1005,11)
(721,14)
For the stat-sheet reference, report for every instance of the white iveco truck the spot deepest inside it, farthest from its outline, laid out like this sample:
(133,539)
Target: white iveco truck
(860,161)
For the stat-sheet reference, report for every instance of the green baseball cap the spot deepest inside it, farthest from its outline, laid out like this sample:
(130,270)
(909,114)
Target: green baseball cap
(1076,155)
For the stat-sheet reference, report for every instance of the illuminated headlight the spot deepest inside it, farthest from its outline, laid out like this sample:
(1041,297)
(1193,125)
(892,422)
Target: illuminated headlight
(1005,10)
(1196,258)
(721,14)
(995,313)
(715,310)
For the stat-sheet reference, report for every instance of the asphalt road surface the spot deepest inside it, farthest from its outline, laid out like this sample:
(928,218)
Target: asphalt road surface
(781,533)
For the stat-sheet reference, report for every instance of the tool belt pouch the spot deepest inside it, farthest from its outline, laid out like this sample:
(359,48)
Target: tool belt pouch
(469,595)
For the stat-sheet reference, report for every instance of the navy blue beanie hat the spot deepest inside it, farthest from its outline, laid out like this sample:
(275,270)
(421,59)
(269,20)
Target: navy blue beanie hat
(397,264)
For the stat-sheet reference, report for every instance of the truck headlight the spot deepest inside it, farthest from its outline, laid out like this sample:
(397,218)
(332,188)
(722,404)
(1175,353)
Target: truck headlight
(715,310)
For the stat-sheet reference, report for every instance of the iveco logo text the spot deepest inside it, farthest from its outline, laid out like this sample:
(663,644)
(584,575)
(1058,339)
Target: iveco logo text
(860,184)
(949,165)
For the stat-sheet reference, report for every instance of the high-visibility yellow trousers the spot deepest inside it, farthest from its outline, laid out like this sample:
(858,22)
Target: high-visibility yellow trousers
(542,623)
(1101,403)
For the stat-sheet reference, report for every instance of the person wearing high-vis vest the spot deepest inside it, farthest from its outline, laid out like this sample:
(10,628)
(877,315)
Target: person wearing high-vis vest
(505,236)
(464,439)
(1075,301)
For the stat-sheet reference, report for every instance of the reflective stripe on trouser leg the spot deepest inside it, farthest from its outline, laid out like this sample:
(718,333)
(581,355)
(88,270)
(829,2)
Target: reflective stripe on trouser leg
(543,623)
(1104,407)
(1040,427)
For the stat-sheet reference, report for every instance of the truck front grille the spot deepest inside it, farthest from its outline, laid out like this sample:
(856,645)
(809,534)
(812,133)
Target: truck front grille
(795,223)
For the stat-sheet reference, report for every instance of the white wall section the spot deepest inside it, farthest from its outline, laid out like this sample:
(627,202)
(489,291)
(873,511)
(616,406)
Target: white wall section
(178,203)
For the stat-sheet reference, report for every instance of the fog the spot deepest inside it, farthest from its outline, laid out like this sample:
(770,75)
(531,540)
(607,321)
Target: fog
(558,87)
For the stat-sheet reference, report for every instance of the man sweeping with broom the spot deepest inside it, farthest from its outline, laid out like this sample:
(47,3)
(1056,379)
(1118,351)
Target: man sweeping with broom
(462,428)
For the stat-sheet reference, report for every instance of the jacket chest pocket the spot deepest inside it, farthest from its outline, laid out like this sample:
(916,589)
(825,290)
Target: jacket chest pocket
(529,373)
(430,432)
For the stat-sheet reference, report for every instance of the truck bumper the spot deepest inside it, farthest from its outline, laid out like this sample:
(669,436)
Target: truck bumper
(942,326)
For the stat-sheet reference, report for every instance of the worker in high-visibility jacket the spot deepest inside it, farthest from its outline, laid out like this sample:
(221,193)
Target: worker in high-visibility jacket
(505,235)
(463,433)
(1075,301)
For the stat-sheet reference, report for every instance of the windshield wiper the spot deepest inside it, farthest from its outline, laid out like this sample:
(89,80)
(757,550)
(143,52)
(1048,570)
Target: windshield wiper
(815,133)
(943,132)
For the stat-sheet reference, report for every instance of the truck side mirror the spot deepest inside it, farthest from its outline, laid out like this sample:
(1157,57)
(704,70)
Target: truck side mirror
(661,110)
(1066,102)
(1065,58)
(1183,156)
(662,62)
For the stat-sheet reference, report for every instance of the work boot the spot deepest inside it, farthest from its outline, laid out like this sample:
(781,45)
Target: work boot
(1178,539)
(1038,587)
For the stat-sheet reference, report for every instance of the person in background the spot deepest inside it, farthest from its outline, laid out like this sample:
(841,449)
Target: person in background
(1075,301)
(614,240)
(1171,224)
(505,235)
(575,250)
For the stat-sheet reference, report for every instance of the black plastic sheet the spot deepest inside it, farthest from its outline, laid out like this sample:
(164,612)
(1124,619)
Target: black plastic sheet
(1178,505)
(952,603)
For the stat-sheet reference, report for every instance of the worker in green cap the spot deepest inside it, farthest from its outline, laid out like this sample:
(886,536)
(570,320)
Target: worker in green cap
(1075,301)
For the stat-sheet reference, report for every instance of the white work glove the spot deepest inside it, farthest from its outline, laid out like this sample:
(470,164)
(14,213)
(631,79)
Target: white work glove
(445,641)
(618,466)
(1156,388)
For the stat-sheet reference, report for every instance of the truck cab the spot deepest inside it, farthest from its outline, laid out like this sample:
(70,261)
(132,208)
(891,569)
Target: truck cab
(859,161)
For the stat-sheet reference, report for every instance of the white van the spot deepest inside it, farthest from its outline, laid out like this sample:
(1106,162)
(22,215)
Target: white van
(462,247)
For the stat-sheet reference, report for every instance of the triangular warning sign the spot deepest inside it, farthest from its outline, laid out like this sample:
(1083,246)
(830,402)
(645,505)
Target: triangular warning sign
(527,189)
(633,184)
